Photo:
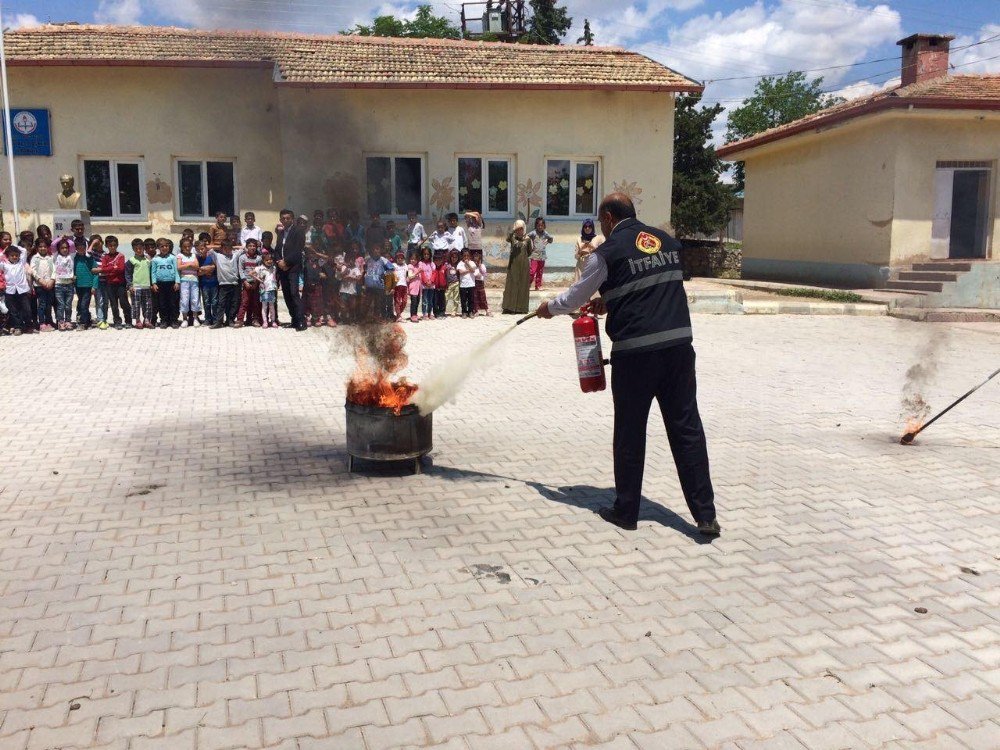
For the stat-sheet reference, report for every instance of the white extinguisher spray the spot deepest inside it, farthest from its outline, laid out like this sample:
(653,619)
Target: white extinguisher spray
(589,359)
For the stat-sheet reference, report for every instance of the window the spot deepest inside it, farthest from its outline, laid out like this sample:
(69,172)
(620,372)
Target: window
(206,188)
(571,187)
(484,185)
(395,184)
(112,188)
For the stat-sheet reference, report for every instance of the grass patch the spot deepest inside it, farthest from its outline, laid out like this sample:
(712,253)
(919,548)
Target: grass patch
(829,295)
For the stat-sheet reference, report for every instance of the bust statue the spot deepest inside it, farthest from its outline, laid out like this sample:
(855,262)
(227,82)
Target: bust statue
(69,197)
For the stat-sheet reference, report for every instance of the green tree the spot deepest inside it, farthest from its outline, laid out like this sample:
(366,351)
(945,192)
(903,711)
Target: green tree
(700,202)
(776,100)
(549,23)
(424,25)
(587,40)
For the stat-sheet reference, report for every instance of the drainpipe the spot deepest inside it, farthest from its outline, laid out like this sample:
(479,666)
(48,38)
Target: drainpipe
(8,137)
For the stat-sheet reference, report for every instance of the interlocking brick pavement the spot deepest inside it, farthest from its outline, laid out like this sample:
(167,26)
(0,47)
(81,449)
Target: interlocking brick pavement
(185,563)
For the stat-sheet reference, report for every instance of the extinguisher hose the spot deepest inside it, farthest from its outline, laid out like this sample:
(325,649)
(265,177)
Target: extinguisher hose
(529,316)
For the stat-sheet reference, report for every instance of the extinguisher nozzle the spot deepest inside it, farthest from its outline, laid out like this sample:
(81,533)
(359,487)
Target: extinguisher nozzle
(529,316)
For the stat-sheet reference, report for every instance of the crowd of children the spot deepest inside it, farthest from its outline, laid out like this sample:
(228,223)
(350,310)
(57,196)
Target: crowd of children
(228,276)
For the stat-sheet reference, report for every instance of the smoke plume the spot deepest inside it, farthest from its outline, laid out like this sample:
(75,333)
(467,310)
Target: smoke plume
(914,408)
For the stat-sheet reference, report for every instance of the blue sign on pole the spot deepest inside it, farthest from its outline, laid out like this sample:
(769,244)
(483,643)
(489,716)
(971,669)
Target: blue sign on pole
(30,132)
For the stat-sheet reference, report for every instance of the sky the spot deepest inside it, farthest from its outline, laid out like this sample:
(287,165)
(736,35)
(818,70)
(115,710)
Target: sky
(725,44)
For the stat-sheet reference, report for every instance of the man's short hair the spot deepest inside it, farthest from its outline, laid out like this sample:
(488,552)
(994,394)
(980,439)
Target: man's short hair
(619,205)
(287,212)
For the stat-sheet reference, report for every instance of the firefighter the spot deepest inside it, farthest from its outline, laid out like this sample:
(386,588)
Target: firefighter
(638,274)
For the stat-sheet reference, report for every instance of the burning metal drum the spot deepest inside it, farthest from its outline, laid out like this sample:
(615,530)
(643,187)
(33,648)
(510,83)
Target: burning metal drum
(377,433)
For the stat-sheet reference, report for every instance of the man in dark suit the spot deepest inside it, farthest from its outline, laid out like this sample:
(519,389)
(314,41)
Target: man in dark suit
(290,255)
(638,274)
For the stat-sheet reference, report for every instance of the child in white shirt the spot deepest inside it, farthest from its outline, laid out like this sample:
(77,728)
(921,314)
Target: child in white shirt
(266,274)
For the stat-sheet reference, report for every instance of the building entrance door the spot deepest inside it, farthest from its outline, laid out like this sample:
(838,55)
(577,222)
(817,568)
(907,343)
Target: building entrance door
(960,226)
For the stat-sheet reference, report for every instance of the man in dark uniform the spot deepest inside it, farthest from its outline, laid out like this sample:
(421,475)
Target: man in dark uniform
(638,274)
(290,256)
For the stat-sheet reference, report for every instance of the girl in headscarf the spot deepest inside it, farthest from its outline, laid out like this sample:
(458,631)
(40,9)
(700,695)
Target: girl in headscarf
(588,243)
(515,291)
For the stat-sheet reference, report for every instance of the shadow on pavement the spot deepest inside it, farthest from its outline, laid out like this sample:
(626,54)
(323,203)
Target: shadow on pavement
(582,496)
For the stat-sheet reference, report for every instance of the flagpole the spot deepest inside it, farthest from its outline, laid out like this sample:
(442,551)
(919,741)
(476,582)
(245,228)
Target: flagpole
(8,136)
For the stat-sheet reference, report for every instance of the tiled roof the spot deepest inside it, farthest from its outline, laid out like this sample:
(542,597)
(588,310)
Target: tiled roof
(946,92)
(349,61)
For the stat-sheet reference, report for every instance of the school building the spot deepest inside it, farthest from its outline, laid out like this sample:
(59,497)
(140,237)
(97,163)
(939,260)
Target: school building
(162,127)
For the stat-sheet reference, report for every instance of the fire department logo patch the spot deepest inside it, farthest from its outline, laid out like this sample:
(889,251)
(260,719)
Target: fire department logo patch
(648,243)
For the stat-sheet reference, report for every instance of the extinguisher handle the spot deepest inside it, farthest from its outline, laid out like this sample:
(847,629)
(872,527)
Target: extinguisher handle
(585,310)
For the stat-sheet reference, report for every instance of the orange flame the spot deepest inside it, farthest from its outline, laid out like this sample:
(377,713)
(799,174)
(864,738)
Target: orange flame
(380,391)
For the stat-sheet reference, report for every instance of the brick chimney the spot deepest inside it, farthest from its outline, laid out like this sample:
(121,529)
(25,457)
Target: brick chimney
(925,56)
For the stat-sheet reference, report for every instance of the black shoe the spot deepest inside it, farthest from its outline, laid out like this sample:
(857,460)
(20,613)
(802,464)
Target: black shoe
(118,326)
(709,528)
(301,327)
(610,515)
(217,325)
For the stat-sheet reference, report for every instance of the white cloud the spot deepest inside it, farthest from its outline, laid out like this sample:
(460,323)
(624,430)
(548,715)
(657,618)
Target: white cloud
(23,21)
(118,12)
(976,59)
(759,38)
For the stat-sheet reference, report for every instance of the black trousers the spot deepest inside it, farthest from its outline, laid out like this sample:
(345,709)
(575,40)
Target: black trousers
(668,375)
(465,296)
(117,297)
(19,310)
(289,281)
(165,309)
(228,304)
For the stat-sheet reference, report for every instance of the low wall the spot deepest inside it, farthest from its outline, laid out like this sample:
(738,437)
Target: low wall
(711,260)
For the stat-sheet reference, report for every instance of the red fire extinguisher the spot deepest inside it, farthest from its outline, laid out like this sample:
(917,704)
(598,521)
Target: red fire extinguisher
(589,360)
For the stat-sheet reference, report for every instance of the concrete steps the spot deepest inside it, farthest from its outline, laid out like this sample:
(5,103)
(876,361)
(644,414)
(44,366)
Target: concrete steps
(915,286)
(928,277)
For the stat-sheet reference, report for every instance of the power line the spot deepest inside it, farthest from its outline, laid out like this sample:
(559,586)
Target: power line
(848,65)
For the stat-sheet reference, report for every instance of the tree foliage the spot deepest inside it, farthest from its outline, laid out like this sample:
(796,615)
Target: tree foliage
(587,40)
(701,203)
(424,25)
(776,100)
(549,23)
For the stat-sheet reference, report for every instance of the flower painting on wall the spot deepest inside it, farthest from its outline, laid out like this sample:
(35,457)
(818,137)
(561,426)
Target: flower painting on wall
(528,195)
(631,189)
(444,194)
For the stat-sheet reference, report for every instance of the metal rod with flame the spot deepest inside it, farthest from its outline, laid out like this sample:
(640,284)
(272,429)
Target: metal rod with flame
(908,437)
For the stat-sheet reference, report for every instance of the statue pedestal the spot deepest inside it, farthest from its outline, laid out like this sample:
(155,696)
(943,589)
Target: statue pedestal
(62,218)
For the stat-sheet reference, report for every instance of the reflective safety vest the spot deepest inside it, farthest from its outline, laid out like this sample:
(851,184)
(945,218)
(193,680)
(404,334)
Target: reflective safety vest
(644,291)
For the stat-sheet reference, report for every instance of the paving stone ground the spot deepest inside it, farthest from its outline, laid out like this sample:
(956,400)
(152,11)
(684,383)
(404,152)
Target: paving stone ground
(185,563)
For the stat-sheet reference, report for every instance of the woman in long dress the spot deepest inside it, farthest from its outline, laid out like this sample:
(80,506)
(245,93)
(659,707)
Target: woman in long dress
(588,243)
(515,290)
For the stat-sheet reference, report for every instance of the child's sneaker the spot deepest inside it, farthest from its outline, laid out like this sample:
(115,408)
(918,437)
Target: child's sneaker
(184,324)
(102,326)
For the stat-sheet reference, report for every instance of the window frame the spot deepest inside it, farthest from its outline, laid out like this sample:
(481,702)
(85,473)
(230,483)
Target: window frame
(113,162)
(598,163)
(484,160)
(392,156)
(203,160)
